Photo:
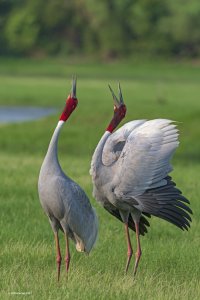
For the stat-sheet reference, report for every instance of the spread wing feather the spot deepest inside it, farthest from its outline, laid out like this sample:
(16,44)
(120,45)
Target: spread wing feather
(167,203)
(145,159)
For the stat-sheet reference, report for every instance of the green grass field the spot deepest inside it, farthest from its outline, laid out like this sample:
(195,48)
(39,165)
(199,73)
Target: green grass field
(170,264)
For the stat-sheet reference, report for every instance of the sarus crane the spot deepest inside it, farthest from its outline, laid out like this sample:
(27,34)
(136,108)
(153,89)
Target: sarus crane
(63,200)
(130,172)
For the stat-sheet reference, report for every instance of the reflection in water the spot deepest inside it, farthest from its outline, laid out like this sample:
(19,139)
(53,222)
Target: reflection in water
(15,114)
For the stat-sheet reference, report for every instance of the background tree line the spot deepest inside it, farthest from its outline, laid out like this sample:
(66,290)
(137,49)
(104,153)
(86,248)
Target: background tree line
(106,28)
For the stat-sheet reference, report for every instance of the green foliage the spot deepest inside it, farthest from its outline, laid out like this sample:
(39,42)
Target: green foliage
(181,27)
(107,28)
(109,20)
(62,26)
(22,30)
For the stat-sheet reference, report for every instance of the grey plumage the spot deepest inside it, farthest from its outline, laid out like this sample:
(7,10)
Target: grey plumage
(65,203)
(130,173)
(130,170)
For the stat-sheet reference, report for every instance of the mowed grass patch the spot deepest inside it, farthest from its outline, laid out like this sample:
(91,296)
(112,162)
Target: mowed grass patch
(169,267)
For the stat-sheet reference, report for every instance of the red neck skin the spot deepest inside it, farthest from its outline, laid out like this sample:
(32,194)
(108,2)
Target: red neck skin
(113,124)
(65,114)
(118,116)
(71,104)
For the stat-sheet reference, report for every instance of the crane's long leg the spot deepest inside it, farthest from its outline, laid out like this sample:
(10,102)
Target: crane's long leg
(139,251)
(58,254)
(67,256)
(129,247)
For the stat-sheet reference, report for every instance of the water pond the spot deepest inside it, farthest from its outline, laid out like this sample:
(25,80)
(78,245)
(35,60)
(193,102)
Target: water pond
(12,114)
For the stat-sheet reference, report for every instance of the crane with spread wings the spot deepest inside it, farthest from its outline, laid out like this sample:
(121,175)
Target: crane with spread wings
(130,172)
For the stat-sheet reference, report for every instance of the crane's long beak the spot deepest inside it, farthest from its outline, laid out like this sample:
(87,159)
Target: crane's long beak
(73,93)
(120,94)
(117,102)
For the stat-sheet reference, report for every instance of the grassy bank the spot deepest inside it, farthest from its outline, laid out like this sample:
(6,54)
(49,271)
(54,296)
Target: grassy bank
(169,267)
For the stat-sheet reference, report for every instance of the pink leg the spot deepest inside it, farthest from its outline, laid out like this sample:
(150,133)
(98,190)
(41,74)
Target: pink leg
(67,257)
(139,251)
(129,247)
(58,254)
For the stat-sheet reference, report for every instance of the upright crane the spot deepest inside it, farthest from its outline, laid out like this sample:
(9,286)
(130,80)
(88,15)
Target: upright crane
(63,200)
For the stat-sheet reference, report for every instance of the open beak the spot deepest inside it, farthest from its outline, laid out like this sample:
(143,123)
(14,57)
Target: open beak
(120,95)
(73,92)
(117,102)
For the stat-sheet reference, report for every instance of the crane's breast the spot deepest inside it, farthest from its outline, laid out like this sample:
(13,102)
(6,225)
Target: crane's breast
(49,194)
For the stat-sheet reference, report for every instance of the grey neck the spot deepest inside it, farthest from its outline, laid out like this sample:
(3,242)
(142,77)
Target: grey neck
(97,156)
(52,153)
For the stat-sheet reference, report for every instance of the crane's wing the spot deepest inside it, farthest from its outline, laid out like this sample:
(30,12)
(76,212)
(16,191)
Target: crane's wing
(79,215)
(168,203)
(116,142)
(145,159)
(143,224)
